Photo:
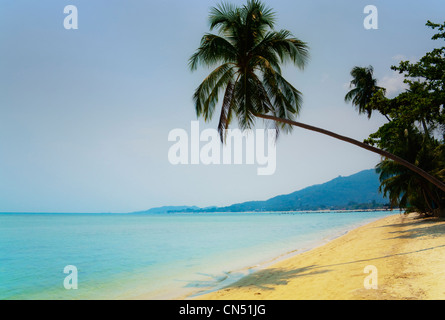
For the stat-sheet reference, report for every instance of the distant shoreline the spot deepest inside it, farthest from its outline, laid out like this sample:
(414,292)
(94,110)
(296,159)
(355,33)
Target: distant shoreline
(287,211)
(209,211)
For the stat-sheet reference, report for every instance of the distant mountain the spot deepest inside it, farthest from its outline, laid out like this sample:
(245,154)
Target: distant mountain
(358,191)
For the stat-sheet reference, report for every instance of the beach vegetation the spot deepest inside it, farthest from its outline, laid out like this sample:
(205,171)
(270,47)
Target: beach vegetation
(415,130)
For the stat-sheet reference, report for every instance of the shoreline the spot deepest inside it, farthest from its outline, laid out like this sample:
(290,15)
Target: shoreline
(405,252)
(239,274)
(235,275)
(282,212)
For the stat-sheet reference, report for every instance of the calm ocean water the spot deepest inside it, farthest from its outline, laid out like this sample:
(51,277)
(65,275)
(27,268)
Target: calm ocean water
(151,256)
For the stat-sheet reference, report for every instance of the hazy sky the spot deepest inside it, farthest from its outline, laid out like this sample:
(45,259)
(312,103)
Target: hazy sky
(85,114)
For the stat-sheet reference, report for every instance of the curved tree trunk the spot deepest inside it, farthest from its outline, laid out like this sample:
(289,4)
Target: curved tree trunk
(363,145)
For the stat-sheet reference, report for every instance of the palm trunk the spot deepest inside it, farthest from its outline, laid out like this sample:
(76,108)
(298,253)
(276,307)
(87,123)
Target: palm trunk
(425,198)
(383,153)
(425,128)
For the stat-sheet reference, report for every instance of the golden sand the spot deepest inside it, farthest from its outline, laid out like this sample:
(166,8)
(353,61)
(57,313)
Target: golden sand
(408,255)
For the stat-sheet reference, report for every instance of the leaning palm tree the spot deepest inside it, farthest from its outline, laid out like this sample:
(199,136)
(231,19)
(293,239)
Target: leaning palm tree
(365,86)
(248,53)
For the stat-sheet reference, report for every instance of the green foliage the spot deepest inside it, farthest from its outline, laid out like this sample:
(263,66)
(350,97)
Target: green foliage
(247,53)
(426,79)
(415,132)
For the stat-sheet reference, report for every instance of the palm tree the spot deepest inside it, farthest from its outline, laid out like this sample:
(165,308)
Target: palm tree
(365,86)
(249,52)
(403,187)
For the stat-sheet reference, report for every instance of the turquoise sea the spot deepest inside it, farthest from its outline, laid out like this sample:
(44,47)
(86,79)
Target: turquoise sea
(157,256)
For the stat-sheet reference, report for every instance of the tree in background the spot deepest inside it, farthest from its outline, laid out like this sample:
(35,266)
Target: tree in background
(365,86)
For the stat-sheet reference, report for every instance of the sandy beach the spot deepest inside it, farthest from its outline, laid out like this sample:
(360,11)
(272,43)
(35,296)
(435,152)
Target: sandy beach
(404,257)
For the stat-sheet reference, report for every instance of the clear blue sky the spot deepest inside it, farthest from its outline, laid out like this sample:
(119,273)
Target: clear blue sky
(85,114)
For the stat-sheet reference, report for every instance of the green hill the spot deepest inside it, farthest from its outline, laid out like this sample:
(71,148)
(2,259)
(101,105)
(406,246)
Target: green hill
(358,191)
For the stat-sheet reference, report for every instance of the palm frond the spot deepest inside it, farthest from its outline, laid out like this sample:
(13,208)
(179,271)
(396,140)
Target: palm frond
(214,49)
(206,95)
